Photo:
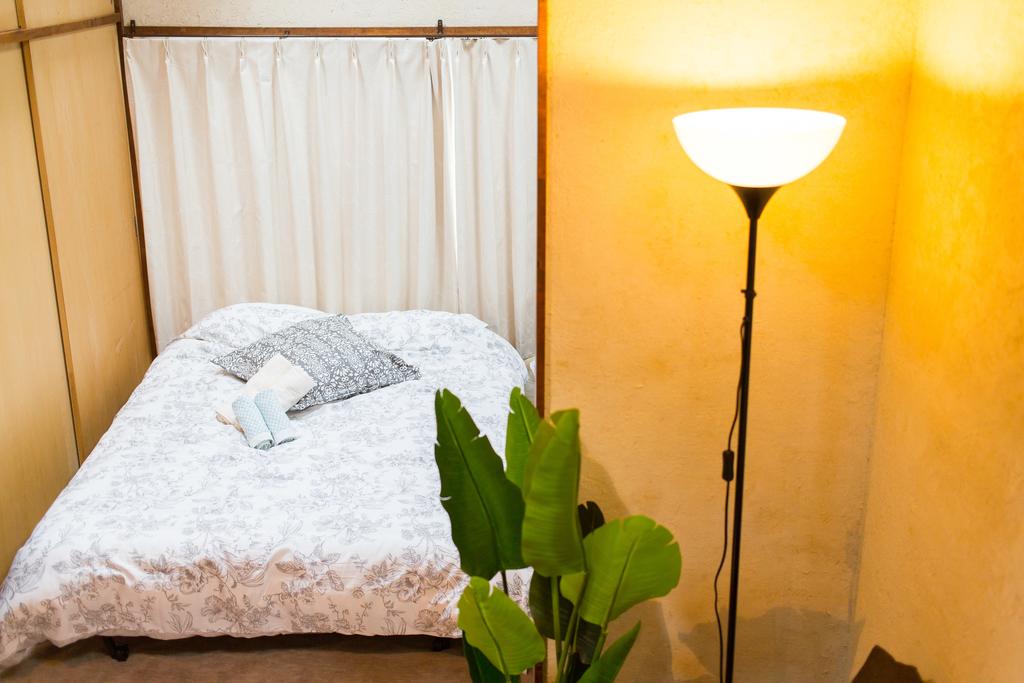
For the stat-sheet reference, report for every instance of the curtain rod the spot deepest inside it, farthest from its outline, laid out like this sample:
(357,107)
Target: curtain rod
(20,35)
(438,31)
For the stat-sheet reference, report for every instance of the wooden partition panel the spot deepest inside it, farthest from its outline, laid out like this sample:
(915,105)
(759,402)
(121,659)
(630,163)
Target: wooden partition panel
(75,85)
(47,12)
(38,454)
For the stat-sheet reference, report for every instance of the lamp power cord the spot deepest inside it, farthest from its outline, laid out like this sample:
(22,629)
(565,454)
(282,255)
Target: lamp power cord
(728,472)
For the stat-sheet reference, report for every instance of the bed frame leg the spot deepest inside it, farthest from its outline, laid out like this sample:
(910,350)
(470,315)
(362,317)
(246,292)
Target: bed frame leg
(118,651)
(440,644)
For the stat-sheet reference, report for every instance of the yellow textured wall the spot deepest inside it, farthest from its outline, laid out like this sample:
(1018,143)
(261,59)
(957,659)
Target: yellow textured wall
(943,566)
(645,259)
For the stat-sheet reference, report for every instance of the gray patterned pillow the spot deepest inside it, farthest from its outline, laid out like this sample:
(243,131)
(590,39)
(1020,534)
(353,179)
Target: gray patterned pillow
(342,361)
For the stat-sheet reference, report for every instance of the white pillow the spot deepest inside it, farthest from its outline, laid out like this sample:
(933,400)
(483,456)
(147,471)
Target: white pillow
(289,382)
(242,324)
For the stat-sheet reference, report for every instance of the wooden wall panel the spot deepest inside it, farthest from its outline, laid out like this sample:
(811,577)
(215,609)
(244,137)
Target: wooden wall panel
(75,84)
(38,454)
(46,12)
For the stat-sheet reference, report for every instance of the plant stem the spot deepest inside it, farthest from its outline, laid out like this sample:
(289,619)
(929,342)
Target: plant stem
(504,581)
(556,617)
(600,641)
(571,628)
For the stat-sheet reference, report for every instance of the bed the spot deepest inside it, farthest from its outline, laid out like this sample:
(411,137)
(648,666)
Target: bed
(174,528)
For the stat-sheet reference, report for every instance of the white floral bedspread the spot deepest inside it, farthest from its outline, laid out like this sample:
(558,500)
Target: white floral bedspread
(173,527)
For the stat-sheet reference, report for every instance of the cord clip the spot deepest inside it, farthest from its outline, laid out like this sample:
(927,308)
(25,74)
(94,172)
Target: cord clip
(728,471)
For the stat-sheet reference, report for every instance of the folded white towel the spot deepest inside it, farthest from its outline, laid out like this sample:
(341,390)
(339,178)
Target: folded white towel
(289,382)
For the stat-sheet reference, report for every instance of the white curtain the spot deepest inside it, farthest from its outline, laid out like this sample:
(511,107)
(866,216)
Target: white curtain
(345,174)
(490,114)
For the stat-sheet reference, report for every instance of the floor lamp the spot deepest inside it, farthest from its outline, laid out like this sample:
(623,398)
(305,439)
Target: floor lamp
(755,151)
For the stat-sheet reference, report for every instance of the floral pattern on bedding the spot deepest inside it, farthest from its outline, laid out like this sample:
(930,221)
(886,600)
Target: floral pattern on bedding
(173,527)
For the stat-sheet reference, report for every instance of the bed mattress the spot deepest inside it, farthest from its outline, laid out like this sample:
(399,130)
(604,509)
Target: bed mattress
(173,527)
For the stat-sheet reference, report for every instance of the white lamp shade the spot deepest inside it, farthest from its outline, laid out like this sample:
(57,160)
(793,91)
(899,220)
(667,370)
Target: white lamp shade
(758,146)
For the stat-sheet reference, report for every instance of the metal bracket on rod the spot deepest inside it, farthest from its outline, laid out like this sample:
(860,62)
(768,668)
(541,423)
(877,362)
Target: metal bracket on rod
(440,31)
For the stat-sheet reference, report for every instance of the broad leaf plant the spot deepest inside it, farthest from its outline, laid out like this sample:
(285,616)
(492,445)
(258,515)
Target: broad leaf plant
(524,512)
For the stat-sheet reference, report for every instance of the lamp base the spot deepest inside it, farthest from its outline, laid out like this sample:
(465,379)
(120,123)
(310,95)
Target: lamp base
(754,199)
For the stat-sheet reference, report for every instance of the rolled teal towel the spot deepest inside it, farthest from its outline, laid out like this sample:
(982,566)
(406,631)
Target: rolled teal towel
(256,431)
(280,426)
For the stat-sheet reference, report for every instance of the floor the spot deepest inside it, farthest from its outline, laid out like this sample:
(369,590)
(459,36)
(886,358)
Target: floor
(351,659)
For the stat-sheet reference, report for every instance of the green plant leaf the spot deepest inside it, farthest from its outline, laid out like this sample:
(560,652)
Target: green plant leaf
(541,438)
(608,665)
(540,587)
(586,640)
(492,623)
(628,561)
(588,634)
(590,516)
(480,668)
(485,508)
(552,542)
(540,598)
(522,425)
(540,607)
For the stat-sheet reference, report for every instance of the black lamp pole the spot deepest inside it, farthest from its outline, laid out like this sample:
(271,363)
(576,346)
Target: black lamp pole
(754,200)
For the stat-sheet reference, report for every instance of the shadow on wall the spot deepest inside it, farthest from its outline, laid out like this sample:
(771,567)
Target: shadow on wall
(651,658)
(822,656)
